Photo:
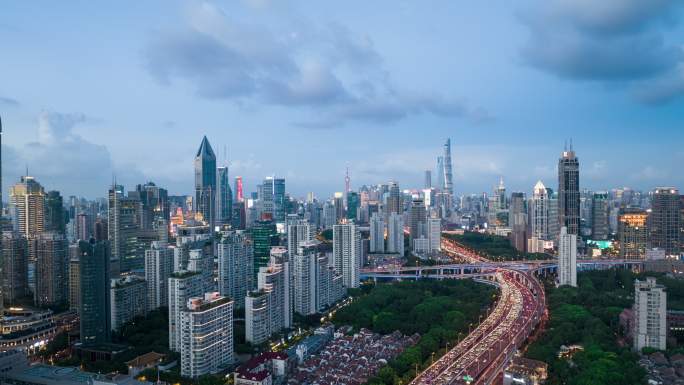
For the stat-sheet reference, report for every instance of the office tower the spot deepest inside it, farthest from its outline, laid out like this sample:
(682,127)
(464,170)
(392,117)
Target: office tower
(539,213)
(554,214)
(417,219)
(665,220)
(569,191)
(101,230)
(377,234)
(567,258)
(304,278)
(27,205)
(448,177)
(84,227)
(55,215)
(123,227)
(205,183)
(206,326)
(264,235)
(517,221)
(239,192)
(74,278)
(347,253)
(235,266)
(394,201)
(154,202)
(128,300)
(599,216)
(434,234)
(158,269)
(650,315)
(183,285)
(428,179)
(224,198)
(395,234)
(2,206)
(352,205)
(95,296)
(14,267)
(329,215)
(272,199)
(632,233)
(257,317)
(51,264)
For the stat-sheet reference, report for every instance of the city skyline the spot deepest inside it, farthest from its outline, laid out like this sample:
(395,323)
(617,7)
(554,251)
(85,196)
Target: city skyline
(137,108)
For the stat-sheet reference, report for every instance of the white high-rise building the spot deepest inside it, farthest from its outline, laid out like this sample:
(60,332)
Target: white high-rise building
(395,234)
(650,315)
(158,269)
(206,328)
(377,234)
(257,317)
(182,286)
(235,265)
(281,256)
(304,277)
(347,253)
(434,233)
(567,258)
(539,213)
(297,232)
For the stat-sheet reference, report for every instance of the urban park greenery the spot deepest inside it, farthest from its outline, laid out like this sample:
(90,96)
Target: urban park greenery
(588,316)
(440,311)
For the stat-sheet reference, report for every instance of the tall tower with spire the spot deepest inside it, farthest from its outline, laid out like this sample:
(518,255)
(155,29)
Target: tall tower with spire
(205,183)
(569,190)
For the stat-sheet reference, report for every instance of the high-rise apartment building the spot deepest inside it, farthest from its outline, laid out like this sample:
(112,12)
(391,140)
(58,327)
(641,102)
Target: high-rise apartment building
(257,317)
(632,233)
(434,235)
(347,253)
(665,220)
(377,234)
(539,213)
(206,328)
(158,269)
(567,258)
(204,202)
(94,271)
(417,219)
(395,234)
(27,206)
(51,268)
(235,266)
(128,299)
(569,191)
(650,315)
(298,231)
(183,285)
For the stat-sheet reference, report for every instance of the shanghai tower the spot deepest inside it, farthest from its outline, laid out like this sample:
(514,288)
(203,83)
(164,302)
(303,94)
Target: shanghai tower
(205,183)
(568,191)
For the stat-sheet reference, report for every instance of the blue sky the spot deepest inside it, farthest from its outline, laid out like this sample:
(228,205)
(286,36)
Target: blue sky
(302,89)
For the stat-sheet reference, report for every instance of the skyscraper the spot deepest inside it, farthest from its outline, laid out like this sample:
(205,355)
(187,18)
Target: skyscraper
(417,219)
(95,296)
(632,233)
(224,198)
(14,267)
(394,201)
(123,227)
(55,215)
(539,213)
(298,232)
(569,191)
(205,183)
(264,235)
(377,234)
(428,179)
(567,258)
(347,253)
(448,177)
(352,205)
(395,234)
(273,199)
(158,269)
(51,264)
(665,220)
(235,266)
(650,315)
(600,228)
(27,205)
